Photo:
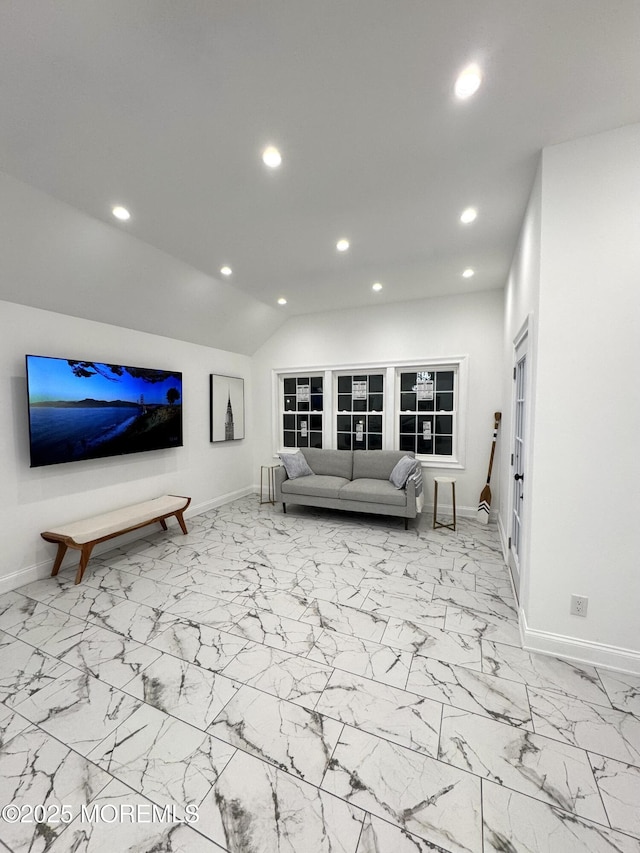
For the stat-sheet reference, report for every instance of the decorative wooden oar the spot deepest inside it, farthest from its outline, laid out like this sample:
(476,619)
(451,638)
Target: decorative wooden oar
(485,495)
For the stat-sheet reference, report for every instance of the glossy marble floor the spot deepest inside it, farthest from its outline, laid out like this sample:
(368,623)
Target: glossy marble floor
(304,683)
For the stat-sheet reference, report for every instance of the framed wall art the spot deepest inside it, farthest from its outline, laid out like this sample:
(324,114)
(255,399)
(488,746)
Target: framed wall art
(226,408)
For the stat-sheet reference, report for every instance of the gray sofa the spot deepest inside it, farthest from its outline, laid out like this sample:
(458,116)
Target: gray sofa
(354,480)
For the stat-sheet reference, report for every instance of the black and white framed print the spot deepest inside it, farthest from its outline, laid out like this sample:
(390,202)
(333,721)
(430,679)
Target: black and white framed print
(226,409)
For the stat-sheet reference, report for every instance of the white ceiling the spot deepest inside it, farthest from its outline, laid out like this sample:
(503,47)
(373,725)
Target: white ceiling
(165,105)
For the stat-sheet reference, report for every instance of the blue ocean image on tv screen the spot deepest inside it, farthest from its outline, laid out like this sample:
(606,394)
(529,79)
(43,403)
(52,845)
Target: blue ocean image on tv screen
(88,409)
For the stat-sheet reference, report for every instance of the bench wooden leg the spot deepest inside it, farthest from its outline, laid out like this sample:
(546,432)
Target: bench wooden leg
(84,559)
(163,523)
(62,550)
(181,522)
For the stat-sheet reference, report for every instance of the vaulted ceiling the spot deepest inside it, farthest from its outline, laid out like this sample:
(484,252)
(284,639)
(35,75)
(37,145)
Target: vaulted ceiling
(165,107)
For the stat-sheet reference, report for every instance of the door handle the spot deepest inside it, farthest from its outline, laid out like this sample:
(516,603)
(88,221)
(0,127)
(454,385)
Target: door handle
(519,477)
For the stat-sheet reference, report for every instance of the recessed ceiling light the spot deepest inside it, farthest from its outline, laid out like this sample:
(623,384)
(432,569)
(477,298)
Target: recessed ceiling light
(342,245)
(377,286)
(282,301)
(121,213)
(271,157)
(468,273)
(226,270)
(468,82)
(468,215)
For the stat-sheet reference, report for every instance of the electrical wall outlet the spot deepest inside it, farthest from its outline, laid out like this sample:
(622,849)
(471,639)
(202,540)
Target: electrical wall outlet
(579,604)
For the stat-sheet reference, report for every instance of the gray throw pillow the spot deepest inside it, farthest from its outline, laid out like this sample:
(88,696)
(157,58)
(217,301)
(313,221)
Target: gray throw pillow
(403,469)
(295,465)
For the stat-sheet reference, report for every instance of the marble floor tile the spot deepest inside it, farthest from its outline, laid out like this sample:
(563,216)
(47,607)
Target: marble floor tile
(154,569)
(543,671)
(332,572)
(81,601)
(326,590)
(477,602)
(547,770)
(362,657)
(291,635)
(11,724)
(202,645)
(163,758)
(345,620)
(483,626)
(139,588)
(192,694)
(256,807)
(379,836)
(37,770)
(623,690)
(206,609)
(497,698)
(397,584)
(288,736)
(25,669)
(519,824)
(137,621)
(280,602)
(122,820)
(389,605)
(15,608)
(51,630)
(619,786)
(108,656)
(430,641)
(426,797)
(596,728)
(396,715)
(78,710)
(291,677)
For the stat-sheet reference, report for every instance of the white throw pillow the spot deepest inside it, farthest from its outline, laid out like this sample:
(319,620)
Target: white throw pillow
(402,471)
(295,465)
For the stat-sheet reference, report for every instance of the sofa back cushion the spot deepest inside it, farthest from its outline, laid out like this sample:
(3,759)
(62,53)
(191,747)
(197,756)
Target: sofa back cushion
(334,463)
(376,464)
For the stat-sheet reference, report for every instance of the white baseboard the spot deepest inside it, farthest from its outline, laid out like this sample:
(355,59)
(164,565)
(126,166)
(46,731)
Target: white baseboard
(43,570)
(504,540)
(580,651)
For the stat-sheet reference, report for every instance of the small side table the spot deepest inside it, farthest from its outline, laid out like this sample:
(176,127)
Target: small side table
(268,473)
(443,481)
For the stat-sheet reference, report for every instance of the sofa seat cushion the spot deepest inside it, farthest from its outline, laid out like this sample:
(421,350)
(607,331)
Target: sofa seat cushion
(315,485)
(373,491)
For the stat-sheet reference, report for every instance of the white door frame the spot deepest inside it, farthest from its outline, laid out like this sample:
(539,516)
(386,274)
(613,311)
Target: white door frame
(519,569)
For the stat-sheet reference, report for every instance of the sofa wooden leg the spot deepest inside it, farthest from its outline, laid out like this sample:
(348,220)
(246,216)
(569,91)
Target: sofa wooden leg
(284,507)
(406,523)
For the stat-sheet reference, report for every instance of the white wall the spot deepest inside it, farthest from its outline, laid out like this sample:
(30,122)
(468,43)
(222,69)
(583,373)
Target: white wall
(31,500)
(432,328)
(586,444)
(520,311)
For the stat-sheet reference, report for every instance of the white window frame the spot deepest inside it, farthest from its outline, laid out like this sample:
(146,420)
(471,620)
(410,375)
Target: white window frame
(391,409)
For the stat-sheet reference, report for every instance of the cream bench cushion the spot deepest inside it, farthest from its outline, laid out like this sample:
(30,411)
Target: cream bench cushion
(84,534)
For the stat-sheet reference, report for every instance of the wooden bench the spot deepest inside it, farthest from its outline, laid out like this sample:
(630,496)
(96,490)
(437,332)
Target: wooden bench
(83,535)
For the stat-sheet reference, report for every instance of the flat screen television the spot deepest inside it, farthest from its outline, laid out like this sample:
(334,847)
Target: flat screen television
(89,410)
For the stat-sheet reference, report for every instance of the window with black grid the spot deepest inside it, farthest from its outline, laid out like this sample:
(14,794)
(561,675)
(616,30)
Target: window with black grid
(359,414)
(427,411)
(302,411)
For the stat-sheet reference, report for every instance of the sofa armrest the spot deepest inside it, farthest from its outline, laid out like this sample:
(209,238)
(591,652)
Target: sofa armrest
(410,489)
(279,476)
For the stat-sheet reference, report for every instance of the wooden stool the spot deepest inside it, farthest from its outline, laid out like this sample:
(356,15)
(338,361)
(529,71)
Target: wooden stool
(443,481)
